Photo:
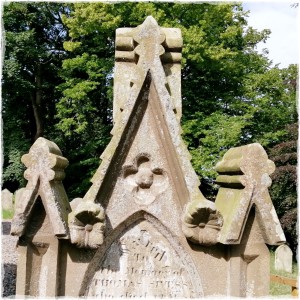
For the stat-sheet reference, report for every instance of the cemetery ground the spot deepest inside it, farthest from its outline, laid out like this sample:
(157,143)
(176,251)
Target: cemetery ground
(7,214)
(276,289)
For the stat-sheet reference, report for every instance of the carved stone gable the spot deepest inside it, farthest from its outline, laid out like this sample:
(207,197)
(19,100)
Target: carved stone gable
(146,166)
(45,171)
(143,229)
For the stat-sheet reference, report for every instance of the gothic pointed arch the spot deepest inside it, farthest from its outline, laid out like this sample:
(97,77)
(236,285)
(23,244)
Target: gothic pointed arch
(141,258)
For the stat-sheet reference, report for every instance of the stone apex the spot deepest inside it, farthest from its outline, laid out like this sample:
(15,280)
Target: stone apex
(45,160)
(45,171)
(149,30)
(244,177)
(128,40)
(145,47)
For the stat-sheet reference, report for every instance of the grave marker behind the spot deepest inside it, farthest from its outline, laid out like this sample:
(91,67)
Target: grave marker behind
(284,259)
(18,198)
(6,200)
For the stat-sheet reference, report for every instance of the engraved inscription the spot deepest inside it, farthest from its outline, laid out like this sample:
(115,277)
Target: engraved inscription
(141,264)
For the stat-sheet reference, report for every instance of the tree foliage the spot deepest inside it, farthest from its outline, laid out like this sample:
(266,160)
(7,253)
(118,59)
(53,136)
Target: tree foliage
(33,52)
(272,98)
(284,188)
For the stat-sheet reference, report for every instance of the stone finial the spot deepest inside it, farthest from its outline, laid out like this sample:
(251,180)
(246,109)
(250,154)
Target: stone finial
(149,37)
(149,32)
(244,177)
(45,171)
(137,49)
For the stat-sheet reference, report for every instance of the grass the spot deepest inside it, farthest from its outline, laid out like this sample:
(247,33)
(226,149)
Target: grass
(7,214)
(277,289)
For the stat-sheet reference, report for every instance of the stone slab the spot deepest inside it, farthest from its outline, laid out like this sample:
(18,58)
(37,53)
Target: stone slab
(6,200)
(18,198)
(284,259)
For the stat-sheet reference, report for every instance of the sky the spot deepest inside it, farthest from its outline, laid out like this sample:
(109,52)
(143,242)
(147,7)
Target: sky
(283,21)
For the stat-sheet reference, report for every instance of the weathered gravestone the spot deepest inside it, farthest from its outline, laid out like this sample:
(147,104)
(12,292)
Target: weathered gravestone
(6,200)
(144,229)
(18,198)
(284,259)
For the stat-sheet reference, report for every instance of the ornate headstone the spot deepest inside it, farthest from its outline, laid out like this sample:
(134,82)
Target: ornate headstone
(144,229)
(6,200)
(284,259)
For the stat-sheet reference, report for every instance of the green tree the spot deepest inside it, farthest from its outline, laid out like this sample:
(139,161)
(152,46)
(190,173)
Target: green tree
(34,35)
(272,104)
(284,188)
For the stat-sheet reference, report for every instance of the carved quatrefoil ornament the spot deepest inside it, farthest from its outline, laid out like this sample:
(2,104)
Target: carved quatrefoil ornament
(144,180)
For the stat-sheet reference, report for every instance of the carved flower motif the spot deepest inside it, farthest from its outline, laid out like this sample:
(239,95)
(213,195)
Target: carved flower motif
(86,224)
(202,222)
(144,180)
